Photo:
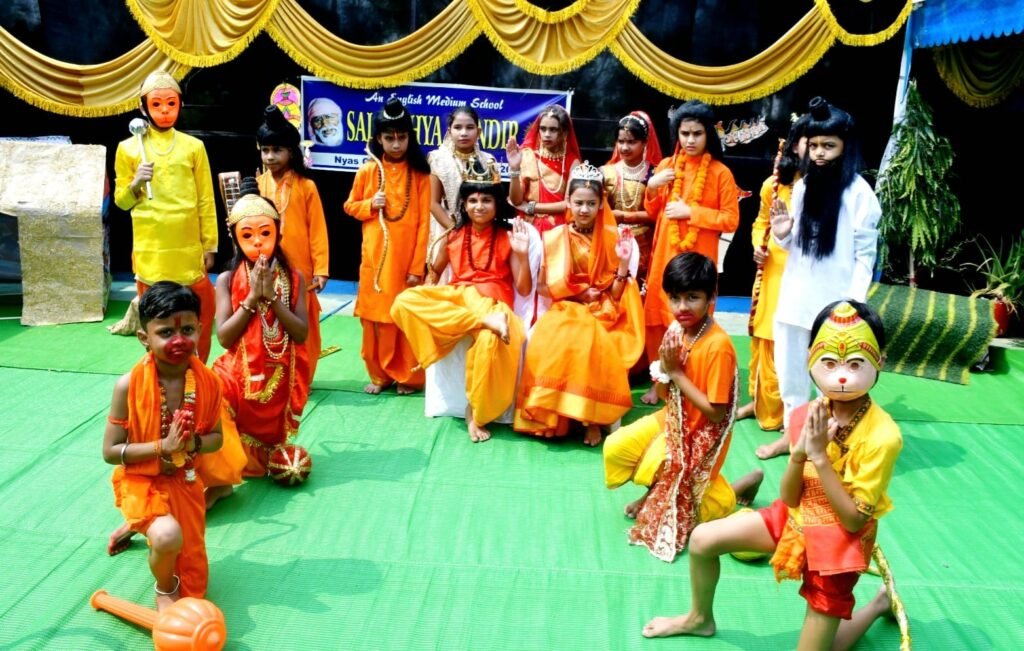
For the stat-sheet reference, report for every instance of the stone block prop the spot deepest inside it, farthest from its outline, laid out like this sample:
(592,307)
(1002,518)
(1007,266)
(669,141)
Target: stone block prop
(56,193)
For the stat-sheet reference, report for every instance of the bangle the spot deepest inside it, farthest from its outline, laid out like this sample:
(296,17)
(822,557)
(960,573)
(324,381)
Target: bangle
(158,446)
(623,278)
(247,308)
(124,448)
(514,174)
(531,208)
(198,444)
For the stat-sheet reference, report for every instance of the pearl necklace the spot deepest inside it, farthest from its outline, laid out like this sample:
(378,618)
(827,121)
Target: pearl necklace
(693,342)
(170,148)
(630,173)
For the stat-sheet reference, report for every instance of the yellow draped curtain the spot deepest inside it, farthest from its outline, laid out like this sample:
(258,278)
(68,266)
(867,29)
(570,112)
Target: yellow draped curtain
(198,33)
(981,74)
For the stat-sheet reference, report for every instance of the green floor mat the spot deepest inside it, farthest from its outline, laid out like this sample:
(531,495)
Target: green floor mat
(408,536)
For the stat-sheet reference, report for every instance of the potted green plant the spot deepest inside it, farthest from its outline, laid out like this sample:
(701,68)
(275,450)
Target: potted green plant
(1004,279)
(920,213)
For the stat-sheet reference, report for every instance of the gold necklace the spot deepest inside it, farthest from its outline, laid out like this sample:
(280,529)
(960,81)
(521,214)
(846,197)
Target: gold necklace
(844,432)
(629,203)
(561,175)
(693,342)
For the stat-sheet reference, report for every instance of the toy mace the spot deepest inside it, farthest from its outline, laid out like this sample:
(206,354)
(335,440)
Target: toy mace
(192,624)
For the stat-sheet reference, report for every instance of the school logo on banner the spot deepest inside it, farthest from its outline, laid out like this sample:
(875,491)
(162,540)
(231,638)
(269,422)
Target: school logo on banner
(339,121)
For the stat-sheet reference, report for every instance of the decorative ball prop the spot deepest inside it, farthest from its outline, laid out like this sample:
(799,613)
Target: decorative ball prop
(289,464)
(190,625)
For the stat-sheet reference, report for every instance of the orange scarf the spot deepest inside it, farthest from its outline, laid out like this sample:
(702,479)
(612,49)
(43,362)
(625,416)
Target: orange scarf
(603,261)
(144,418)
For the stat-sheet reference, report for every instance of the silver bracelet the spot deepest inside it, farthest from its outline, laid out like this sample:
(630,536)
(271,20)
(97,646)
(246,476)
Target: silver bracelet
(514,174)
(124,447)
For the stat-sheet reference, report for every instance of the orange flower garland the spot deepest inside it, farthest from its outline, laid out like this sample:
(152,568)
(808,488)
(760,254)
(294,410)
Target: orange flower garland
(675,238)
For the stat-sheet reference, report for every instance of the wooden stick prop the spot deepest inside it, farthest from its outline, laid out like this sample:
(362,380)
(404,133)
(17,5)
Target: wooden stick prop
(755,295)
(190,624)
(895,603)
(380,219)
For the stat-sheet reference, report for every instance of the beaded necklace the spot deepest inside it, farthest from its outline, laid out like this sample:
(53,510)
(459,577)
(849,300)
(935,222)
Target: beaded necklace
(467,245)
(637,174)
(275,337)
(408,195)
(693,342)
(170,148)
(181,459)
(545,153)
(580,230)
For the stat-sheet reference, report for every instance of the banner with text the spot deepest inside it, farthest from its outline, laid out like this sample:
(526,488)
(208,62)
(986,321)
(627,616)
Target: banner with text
(338,121)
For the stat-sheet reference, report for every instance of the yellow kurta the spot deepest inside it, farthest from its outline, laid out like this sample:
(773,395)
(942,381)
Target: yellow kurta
(171,232)
(303,240)
(764,382)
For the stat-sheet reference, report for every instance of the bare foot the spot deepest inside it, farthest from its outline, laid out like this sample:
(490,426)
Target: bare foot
(216,494)
(592,436)
(633,508)
(477,433)
(651,397)
(374,389)
(776,448)
(497,322)
(746,487)
(120,540)
(687,624)
(404,389)
(746,411)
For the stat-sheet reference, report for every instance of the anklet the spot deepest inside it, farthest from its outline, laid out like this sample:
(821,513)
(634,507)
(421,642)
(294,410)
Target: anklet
(177,584)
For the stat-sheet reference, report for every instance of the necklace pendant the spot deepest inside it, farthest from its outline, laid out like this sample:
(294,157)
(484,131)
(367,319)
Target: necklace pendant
(190,475)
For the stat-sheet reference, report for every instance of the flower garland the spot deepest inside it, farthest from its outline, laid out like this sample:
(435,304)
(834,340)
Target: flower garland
(181,458)
(676,240)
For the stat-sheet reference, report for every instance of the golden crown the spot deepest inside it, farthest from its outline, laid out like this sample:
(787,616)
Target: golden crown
(586,172)
(478,171)
(251,205)
(159,79)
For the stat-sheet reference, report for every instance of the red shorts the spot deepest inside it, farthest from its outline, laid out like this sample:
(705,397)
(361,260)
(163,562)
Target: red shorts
(830,595)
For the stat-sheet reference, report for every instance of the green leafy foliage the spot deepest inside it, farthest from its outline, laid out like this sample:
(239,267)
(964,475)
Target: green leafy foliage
(1003,274)
(920,213)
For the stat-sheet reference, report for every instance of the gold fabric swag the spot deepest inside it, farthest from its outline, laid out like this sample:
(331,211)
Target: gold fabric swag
(182,34)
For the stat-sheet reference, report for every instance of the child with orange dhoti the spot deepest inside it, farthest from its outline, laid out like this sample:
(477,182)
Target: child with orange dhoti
(581,349)
(678,452)
(164,180)
(261,322)
(163,415)
(391,197)
(822,531)
(303,228)
(770,258)
(489,263)
(693,199)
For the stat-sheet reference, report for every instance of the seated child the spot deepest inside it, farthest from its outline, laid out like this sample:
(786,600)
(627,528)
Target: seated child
(489,264)
(164,413)
(678,452)
(843,452)
(262,324)
(581,349)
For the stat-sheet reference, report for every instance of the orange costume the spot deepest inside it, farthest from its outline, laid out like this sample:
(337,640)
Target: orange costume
(303,240)
(435,318)
(144,492)
(579,354)
(764,383)
(265,376)
(679,453)
(716,211)
(385,350)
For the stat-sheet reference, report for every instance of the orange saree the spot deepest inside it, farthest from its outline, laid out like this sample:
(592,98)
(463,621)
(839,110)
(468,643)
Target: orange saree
(579,355)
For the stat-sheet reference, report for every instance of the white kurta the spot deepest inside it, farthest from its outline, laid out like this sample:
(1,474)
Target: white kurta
(808,284)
